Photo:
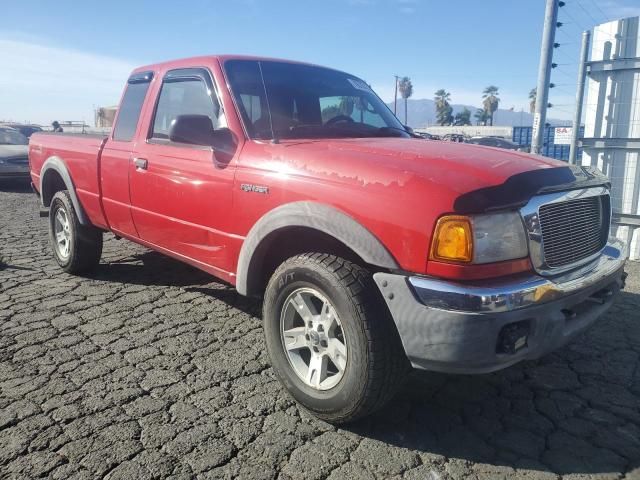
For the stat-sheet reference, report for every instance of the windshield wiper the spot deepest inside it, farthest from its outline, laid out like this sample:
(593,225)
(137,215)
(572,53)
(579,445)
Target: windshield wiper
(325,131)
(344,130)
(388,131)
(305,126)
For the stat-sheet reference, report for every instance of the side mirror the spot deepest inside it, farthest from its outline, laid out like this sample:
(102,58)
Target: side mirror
(192,129)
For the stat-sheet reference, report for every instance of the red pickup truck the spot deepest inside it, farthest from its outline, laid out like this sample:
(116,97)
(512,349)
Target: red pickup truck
(374,251)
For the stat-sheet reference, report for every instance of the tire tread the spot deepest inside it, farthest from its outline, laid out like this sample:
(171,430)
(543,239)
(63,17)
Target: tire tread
(388,364)
(85,255)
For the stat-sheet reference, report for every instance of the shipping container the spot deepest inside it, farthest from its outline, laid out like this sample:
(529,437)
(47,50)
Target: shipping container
(522,136)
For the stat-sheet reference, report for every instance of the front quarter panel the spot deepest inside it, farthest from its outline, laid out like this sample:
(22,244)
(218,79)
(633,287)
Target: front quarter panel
(375,198)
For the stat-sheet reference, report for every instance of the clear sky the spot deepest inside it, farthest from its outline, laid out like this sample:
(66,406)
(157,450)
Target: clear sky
(59,59)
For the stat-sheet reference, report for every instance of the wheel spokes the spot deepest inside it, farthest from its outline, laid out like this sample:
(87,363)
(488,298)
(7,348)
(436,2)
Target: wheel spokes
(313,338)
(294,338)
(326,311)
(317,372)
(337,352)
(62,233)
(304,306)
(61,219)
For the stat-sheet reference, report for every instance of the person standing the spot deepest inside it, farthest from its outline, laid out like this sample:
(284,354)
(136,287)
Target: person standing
(56,127)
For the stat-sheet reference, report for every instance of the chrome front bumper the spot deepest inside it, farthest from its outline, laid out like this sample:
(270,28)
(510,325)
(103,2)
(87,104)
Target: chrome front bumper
(524,292)
(455,327)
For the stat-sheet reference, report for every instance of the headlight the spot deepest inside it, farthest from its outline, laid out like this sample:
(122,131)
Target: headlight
(478,239)
(498,237)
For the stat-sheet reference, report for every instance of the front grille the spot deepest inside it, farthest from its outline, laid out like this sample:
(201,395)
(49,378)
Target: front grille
(574,230)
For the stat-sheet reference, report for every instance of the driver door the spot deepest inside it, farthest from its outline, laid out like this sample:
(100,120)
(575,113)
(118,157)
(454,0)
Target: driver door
(180,193)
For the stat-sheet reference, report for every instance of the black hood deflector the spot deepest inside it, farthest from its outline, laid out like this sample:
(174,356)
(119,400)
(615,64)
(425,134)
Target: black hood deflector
(517,190)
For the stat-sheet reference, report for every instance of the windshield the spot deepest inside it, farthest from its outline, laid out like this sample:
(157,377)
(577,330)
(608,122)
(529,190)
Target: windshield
(8,136)
(304,101)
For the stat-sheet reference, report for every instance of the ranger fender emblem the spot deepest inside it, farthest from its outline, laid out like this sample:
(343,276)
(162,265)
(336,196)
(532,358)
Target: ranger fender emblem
(248,187)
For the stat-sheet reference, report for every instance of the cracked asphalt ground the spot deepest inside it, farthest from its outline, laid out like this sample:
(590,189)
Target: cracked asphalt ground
(151,369)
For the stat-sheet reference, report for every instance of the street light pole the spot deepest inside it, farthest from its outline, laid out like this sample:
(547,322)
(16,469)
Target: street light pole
(395,97)
(544,74)
(577,115)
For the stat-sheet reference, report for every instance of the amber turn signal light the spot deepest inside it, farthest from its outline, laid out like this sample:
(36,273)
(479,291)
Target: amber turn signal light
(452,240)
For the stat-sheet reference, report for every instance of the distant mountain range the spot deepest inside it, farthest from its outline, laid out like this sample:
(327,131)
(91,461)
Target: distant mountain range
(422,113)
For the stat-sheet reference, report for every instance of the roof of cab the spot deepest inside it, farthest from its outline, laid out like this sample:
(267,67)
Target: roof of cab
(192,61)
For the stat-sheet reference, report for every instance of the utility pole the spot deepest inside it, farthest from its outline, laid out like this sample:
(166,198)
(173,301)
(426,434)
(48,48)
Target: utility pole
(577,115)
(544,74)
(395,97)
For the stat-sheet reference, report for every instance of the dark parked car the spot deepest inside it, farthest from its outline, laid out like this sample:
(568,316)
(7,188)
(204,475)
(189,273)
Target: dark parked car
(24,129)
(428,136)
(14,154)
(454,137)
(494,142)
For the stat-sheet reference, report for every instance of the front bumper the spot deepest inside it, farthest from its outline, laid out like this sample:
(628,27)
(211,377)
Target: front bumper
(483,327)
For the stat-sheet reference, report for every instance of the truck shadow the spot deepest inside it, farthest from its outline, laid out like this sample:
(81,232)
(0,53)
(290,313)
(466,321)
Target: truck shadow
(150,268)
(228,295)
(573,412)
(155,269)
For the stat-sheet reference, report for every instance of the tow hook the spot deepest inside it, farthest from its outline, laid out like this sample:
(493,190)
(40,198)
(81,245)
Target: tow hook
(513,337)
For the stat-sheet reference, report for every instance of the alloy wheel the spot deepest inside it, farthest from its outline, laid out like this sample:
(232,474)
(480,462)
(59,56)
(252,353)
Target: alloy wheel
(62,233)
(313,339)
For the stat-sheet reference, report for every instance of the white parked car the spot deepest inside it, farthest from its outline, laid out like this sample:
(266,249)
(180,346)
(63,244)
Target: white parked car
(14,154)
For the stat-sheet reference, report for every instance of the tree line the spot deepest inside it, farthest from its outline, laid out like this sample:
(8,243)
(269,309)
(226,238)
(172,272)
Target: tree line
(483,116)
(444,110)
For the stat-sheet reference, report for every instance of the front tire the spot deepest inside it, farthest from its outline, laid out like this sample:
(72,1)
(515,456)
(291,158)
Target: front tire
(77,248)
(330,338)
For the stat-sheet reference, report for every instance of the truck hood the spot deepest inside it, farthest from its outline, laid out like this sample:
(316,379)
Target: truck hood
(463,166)
(476,178)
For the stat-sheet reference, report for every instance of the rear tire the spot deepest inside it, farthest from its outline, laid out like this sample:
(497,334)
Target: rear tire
(77,248)
(301,293)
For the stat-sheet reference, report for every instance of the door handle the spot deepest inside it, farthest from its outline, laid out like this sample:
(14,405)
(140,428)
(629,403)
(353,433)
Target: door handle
(140,163)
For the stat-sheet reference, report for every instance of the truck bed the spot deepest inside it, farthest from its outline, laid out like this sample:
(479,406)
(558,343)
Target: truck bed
(80,154)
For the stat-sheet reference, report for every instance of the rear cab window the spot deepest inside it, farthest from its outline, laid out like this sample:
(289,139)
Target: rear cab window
(188,91)
(131,106)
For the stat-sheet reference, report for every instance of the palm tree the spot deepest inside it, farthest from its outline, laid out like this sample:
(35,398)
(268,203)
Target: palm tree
(406,90)
(442,97)
(443,108)
(480,116)
(463,117)
(532,100)
(490,101)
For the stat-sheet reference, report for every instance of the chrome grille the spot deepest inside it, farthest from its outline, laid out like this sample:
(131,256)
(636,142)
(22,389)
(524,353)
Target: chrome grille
(574,230)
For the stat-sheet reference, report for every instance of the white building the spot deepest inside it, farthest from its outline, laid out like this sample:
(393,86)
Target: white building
(612,116)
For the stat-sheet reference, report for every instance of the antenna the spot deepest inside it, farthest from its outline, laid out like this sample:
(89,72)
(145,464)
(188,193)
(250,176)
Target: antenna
(274,139)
